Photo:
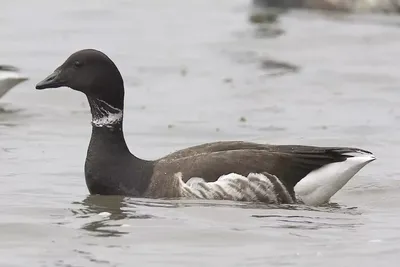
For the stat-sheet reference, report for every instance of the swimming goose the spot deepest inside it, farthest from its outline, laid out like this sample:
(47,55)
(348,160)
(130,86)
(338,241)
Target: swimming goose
(350,6)
(9,77)
(229,170)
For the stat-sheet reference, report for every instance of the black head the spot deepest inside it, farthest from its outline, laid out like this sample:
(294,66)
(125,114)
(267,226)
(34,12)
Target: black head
(90,72)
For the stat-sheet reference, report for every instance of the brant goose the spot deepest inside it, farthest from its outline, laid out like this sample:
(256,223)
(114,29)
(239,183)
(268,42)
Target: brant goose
(9,77)
(230,170)
(352,6)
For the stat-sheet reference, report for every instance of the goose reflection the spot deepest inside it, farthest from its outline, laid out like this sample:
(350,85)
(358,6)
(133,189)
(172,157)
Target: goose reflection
(106,214)
(331,215)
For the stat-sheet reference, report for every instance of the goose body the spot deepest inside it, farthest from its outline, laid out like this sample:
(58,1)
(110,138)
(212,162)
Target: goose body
(230,170)
(9,78)
(350,6)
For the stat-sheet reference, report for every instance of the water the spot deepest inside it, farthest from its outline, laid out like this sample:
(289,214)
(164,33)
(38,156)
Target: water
(197,71)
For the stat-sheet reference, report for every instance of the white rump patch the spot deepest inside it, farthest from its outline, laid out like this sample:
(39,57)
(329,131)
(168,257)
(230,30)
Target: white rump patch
(109,117)
(320,185)
(255,187)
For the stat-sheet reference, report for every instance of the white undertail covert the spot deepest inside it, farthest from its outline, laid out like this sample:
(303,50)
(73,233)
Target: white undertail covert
(320,185)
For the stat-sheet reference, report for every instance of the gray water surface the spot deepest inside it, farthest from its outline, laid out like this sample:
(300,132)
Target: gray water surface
(197,71)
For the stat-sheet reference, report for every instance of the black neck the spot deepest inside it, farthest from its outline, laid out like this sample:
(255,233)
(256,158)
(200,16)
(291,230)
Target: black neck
(110,168)
(109,139)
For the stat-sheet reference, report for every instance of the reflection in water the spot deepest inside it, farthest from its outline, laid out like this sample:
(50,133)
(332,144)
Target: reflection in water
(110,210)
(326,208)
(268,31)
(272,67)
(107,213)
(11,116)
(5,110)
(327,216)
(262,11)
(94,204)
(281,67)
(265,19)
(309,222)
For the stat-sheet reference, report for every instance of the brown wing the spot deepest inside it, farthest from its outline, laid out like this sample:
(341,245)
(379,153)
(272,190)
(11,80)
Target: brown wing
(289,163)
(215,147)
(240,145)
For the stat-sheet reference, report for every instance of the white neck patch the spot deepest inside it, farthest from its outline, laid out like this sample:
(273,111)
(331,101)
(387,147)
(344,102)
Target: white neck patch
(110,115)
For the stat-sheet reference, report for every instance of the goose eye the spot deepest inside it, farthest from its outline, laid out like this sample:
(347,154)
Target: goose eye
(78,64)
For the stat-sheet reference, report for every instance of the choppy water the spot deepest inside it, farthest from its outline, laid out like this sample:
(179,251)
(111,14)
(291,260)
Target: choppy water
(197,71)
